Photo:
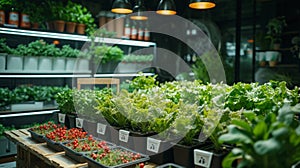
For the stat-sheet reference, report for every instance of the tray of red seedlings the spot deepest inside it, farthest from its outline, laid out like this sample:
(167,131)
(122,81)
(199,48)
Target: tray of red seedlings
(116,157)
(39,132)
(76,148)
(59,136)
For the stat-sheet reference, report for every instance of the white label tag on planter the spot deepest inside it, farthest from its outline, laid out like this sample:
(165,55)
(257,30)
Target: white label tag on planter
(202,158)
(123,135)
(61,118)
(153,145)
(101,128)
(79,122)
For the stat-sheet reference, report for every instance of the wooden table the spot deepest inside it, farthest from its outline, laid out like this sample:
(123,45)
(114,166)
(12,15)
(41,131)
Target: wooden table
(31,154)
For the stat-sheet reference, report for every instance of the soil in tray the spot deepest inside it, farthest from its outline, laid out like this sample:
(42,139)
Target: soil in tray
(54,145)
(116,157)
(37,137)
(76,148)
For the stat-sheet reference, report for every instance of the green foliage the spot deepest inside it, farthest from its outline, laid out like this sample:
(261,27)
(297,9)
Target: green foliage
(107,109)
(65,101)
(25,93)
(36,48)
(263,99)
(5,97)
(2,129)
(4,48)
(41,48)
(6,4)
(143,82)
(85,17)
(200,71)
(57,10)
(261,140)
(143,110)
(137,58)
(34,93)
(187,124)
(69,52)
(275,28)
(86,102)
(71,10)
(103,53)
(35,10)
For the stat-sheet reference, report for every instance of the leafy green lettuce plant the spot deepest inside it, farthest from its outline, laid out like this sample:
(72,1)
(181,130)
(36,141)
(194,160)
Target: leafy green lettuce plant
(86,102)
(65,101)
(271,140)
(5,97)
(263,99)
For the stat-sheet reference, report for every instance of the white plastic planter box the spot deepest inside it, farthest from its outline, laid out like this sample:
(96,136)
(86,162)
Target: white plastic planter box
(30,63)
(82,65)
(142,65)
(272,56)
(70,64)
(45,64)
(14,63)
(59,64)
(2,62)
(27,106)
(125,67)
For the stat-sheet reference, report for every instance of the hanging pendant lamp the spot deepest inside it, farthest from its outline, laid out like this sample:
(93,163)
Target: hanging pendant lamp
(137,11)
(166,7)
(202,4)
(121,7)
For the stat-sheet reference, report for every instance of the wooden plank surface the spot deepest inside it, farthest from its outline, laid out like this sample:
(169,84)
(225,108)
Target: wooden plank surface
(62,161)
(44,153)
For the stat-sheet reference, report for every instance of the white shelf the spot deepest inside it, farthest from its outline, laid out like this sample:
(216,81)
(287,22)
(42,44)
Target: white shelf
(19,114)
(45,76)
(121,75)
(75,75)
(34,33)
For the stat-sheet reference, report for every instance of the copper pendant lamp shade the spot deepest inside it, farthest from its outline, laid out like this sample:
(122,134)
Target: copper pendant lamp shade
(166,7)
(202,4)
(121,7)
(138,9)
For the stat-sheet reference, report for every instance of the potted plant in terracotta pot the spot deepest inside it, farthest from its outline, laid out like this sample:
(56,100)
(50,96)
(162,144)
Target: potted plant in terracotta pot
(71,16)
(85,21)
(36,14)
(275,29)
(58,15)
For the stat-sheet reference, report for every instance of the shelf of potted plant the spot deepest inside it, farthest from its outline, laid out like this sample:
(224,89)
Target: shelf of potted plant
(63,36)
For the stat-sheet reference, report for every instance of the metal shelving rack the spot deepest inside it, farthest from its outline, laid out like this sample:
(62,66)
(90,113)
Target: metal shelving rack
(73,37)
